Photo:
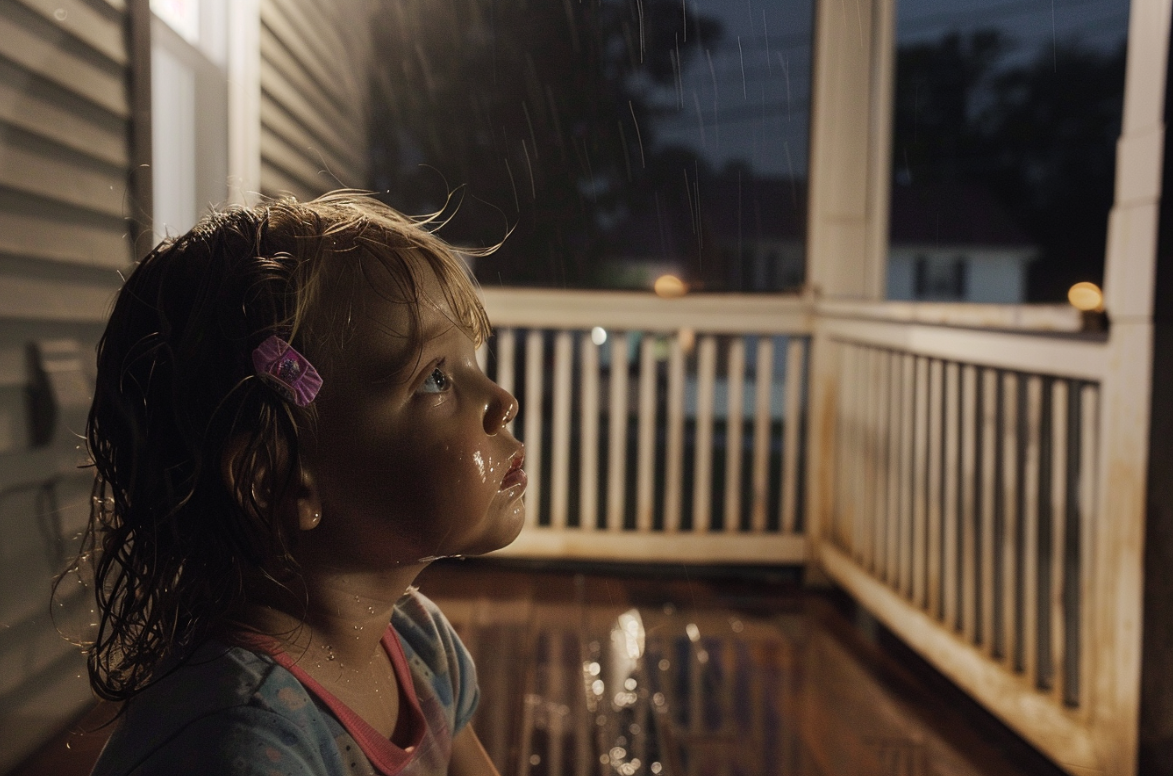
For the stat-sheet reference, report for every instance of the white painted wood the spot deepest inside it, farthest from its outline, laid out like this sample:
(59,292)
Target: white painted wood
(643,311)
(645,468)
(867,454)
(534,341)
(1031,353)
(560,439)
(1030,529)
(920,506)
(703,461)
(895,466)
(617,432)
(1010,548)
(1039,318)
(969,491)
(950,513)
(935,530)
(657,547)
(881,503)
(988,452)
(1093,658)
(872,472)
(763,384)
(588,489)
(1060,395)
(734,424)
(795,380)
(674,455)
(907,465)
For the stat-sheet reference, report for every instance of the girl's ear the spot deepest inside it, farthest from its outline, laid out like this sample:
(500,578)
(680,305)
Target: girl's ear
(308,502)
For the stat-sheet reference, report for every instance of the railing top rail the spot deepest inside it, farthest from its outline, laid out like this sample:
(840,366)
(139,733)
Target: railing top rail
(643,311)
(1031,318)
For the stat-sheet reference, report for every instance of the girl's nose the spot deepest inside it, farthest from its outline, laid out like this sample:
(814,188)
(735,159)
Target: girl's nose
(500,409)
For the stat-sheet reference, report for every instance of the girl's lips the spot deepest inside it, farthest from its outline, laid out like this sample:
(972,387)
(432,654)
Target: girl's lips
(516,475)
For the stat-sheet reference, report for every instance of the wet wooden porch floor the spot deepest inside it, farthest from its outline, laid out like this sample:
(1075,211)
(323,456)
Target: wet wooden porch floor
(601,672)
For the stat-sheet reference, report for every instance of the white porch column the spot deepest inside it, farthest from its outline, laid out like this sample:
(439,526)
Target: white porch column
(851,140)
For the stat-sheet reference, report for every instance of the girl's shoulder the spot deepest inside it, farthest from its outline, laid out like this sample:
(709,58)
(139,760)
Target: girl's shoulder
(436,655)
(220,694)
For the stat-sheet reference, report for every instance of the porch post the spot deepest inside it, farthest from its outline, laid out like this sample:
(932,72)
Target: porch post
(1155,746)
(847,220)
(851,142)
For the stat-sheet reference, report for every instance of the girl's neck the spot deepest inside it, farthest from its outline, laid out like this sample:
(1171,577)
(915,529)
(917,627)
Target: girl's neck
(340,617)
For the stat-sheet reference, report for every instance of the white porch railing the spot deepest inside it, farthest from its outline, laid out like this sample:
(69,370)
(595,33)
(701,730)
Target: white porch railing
(964,502)
(677,439)
(951,472)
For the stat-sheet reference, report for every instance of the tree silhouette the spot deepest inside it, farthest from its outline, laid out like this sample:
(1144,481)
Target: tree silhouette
(538,115)
(1039,135)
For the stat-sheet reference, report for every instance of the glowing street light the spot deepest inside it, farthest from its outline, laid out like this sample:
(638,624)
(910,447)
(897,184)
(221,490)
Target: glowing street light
(670,287)
(1086,297)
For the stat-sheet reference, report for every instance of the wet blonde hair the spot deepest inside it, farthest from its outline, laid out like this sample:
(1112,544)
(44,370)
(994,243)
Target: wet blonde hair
(171,539)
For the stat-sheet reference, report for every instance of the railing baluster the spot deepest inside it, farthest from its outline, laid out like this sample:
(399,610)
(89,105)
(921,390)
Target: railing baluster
(617,438)
(868,450)
(989,444)
(1010,519)
(703,460)
(795,379)
(934,532)
(646,455)
(1030,530)
(734,424)
(560,460)
(534,342)
(920,512)
(842,483)
(1059,455)
(882,383)
(763,385)
(588,489)
(674,455)
(895,461)
(950,513)
(1089,422)
(907,461)
(969,494)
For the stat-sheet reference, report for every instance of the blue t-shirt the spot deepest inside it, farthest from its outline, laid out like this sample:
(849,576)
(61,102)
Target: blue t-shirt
(232,710)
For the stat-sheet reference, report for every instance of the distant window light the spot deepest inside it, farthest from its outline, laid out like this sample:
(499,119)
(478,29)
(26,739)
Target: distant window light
(183,16)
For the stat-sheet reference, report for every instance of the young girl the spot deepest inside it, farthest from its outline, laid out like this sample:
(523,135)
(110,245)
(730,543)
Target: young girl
(289,425)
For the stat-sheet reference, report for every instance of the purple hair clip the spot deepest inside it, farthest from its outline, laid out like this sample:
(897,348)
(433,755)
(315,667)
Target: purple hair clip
(287,371)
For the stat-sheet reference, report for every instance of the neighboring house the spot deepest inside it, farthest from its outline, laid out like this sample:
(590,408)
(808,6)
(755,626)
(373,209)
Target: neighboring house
(955,243)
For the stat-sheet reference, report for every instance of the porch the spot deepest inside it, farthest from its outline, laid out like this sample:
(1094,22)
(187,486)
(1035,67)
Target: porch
(731,674)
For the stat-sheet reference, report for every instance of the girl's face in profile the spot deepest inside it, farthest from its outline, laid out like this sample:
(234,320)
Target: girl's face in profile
(414,461)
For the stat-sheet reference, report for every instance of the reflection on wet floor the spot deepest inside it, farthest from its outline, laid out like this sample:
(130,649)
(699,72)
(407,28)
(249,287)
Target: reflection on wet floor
(676,675)
(590,674)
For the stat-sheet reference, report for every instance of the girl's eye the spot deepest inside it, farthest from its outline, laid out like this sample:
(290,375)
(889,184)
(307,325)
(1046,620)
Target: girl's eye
(437,382)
